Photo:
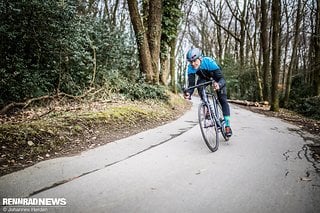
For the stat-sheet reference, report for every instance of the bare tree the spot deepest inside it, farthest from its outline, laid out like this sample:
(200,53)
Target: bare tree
(111,12)
(182,35)
(216,16)
(241,17)
(275,67)
(254,33)
(285,42)
(251,52)
(316,43)
(265,50)
(294,56)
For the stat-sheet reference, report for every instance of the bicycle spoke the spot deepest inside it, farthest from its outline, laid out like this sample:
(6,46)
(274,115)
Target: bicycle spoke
(208,128)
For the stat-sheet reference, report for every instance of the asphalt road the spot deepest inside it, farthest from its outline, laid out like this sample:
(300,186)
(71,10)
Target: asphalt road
(265,167)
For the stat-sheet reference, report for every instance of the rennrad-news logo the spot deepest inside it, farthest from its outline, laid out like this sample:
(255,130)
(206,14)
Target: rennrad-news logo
(34,202)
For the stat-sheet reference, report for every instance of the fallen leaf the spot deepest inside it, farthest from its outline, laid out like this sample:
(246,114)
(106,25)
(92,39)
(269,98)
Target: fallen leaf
(199,172)
(30,143)
(305,179)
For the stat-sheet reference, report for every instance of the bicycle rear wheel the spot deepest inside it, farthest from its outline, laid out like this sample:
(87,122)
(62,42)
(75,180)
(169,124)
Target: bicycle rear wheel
(222,121)
(208,128)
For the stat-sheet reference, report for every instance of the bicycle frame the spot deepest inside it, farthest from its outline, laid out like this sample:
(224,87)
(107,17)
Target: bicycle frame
(211,103)
(214,104)
(212,100)
(213,95)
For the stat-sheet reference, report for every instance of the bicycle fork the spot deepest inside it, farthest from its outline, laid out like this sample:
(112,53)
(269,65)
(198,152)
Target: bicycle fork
(214,115)
(212,112)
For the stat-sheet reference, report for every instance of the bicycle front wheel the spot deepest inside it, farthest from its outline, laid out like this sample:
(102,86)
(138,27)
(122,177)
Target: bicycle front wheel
(208,128)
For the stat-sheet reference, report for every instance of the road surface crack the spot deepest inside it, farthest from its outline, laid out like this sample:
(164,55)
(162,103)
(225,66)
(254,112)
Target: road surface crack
(172,136)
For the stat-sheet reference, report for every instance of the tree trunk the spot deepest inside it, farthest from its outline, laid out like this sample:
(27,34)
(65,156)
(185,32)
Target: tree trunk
(294,56)
(265,50)
(145,13)
(164,66)
(142,41)
(220,40)
(154,35)
(172,65)
(243,33)
(275,67)
(252,42)
(287,29)
(316,38)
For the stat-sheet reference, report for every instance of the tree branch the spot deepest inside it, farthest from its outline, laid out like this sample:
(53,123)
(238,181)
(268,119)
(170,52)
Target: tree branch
(214,18)
(25,104)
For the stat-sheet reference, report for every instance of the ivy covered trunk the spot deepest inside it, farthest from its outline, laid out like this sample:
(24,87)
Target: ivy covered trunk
(142,41)
(154,35)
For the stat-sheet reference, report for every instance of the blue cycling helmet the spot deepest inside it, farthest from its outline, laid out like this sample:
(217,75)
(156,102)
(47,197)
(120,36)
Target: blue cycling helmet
(193,54)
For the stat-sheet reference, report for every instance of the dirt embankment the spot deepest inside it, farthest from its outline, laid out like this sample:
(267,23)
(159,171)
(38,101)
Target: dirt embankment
(41,133)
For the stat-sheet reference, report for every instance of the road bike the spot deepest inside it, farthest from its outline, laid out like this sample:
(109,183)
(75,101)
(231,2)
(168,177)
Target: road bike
(211,120)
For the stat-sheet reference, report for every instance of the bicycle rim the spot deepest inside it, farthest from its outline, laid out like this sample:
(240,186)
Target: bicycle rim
(208,129)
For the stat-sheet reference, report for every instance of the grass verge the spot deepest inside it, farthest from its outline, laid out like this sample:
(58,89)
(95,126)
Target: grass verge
(38,134)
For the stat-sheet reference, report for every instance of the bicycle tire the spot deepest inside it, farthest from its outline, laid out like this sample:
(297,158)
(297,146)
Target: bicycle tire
(208,128)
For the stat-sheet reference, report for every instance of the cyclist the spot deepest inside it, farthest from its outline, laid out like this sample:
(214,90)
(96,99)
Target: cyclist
(206,68)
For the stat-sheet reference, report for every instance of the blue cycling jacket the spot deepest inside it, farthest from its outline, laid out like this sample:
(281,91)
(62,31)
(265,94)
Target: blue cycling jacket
(207,63)
(208,69)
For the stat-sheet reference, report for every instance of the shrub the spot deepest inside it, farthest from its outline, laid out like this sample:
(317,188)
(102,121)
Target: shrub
(143,91)
(308,107)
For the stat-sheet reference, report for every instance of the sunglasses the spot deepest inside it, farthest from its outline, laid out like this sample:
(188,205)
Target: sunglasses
(192,61)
